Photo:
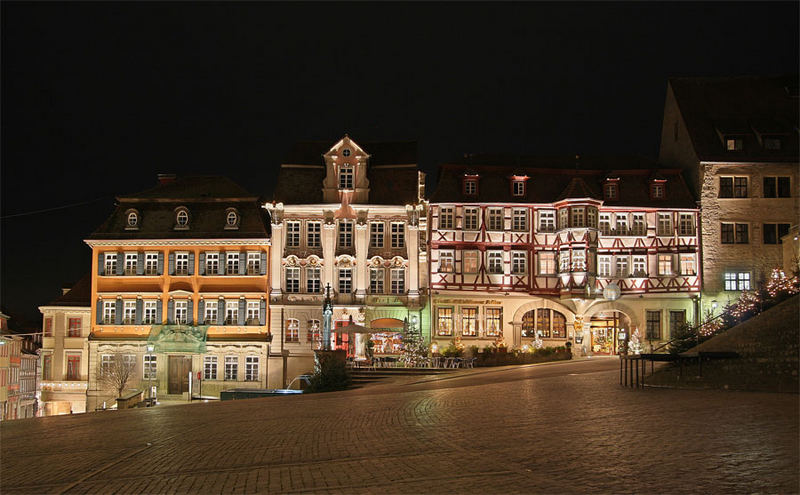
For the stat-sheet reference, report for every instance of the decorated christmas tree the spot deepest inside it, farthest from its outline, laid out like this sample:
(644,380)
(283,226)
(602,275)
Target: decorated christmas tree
(415,350)
(635,344)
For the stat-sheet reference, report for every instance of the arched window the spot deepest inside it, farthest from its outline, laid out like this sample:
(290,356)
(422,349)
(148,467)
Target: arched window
(133,219)
(181,218)
(547,323)
(231,218)
(292,330)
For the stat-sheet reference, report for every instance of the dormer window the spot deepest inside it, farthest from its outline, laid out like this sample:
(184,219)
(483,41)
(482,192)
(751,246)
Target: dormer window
(181,219)
(131,220)
(657,189)
(346,176)
(518,188)
(611,191)
(772,143)
(231,219)
(734,143)
(471,187)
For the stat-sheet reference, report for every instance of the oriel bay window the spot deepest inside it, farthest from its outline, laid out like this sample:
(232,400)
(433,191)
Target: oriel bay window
(494,261)
(591,217)
(292,279)
(563,218)
(398,280)
(494,219)
(444,321)
(469,322)
(313,284)
(471,218)
(376,235)
(470,261)
(563,261)
(579,260)
(578,217)
(376,277)
(494,322)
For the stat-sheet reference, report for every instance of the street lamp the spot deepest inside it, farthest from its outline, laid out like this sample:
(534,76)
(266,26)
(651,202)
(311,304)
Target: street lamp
(150,349)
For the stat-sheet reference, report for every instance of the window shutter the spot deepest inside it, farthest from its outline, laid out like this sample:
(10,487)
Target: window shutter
(223,261)
(159,313)
(101,265)
(118,317)
(171,265)
(263,264)
(171,312)
(242,262)
(120,263)
(190,311)
(99,311)
(242,310)
(161,263)
(221,311)
(262,313)
(139,309)
(201,311)
(140,264)
(202,270)
(191,263)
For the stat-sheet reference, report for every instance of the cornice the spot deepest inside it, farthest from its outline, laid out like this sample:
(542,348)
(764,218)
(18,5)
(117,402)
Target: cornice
(176,242)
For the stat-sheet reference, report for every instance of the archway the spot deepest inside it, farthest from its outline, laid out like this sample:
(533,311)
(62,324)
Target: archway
(610,323)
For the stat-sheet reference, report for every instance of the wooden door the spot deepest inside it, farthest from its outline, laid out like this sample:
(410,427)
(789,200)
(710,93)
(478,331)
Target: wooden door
(179,369)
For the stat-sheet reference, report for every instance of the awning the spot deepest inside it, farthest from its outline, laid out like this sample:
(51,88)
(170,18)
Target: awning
(387,324)
(353,328)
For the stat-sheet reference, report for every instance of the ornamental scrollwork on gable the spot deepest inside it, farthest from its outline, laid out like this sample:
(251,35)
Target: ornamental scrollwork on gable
(345,261)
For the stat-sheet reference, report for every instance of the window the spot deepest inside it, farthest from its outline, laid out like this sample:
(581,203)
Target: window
(74,327)
(639,224)
(346,176)
(209,367)
(444,321)
(547,221)
(398,236)
(664,226)
(182,218)
(231,219)
(657,190)
(292,279)
(73,367)
(495,219)
(519,263)
(653,330)
(212,263)
(529,324)
(345,234)
(110,263)
(106,361)
(211,313)
(469,322)
(777,187)
(446,217)
(231,312)
(346,152)
(469,263)
(622,267)
(518,188)
(547,263)
(151,264)
(150,366)
(579,260)
(605,223)
(639,266)
(519,219)
(129,313)
(578,217)
(376,235)
(376,277)
(676,321)
(181,312)
(686,224)
(591,217)
(181,263)
(109,312)
(130,263)
(398,280)
(688,266)
(292,330)
(470,187)
(345,280)
(470,218)
(494,322)
(740,187)
(726,233)
(313,234)
(133,219)
(604,266)
(253,312)
(563,218)
(314,334)
(543,323)
(253,263)
(773,232)
(563,261)
(742,235)
(559,325)
(231,367)
(610,191)
(772,143)
(446,262)
(47,367)
(622,223)
(48,327)
(292,234)
(737,281)
(313,284)
(233,263)
(495,261)
(251,369)
(734,144)
(665,264)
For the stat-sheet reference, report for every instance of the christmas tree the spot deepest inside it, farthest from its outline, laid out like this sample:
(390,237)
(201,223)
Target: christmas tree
(415,350)
(635,344)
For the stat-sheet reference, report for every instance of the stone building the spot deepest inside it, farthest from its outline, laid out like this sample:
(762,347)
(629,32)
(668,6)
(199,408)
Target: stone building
(737,140)
(179,284)
(352,216)
(525,247)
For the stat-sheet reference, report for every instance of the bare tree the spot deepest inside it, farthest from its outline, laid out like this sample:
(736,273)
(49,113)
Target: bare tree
(116,372)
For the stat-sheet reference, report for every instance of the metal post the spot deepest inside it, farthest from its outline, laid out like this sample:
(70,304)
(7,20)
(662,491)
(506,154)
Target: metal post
(620,369)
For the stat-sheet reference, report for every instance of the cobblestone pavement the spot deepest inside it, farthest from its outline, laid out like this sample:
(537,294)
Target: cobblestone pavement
(565,427)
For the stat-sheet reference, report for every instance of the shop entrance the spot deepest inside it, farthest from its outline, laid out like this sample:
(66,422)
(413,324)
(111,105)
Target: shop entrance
(608,330)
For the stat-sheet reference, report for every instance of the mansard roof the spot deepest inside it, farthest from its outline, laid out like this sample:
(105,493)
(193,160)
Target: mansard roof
(749,107)
(79,295)
(207,200)
(549,184)
(391,171)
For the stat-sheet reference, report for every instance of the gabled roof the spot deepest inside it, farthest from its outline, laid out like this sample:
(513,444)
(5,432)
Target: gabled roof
(747,107)
(577,188)
(79,295)
(381,153)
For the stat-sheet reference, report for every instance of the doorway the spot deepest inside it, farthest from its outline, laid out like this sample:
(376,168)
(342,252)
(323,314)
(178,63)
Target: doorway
(608,330)
(179,369)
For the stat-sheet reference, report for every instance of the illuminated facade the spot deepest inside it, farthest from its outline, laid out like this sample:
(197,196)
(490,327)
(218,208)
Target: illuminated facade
(351,216)
(181,268)
(526,251)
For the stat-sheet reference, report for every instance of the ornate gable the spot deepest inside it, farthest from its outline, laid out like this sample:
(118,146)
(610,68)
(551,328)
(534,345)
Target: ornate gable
(346,173)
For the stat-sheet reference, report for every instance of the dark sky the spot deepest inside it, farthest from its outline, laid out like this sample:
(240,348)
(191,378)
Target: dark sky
(99,97)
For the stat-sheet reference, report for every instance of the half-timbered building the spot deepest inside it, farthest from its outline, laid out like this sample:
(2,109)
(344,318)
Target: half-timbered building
(524,251)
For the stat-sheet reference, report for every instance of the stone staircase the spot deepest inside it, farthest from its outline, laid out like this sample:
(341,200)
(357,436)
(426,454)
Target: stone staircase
(364,376)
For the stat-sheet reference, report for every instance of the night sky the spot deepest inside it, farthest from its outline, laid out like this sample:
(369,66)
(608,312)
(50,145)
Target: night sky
(98,98)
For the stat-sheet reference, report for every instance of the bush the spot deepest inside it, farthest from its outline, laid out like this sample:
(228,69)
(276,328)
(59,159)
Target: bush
(330,372)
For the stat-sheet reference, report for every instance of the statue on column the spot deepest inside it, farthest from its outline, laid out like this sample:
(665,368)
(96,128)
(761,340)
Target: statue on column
(327,319)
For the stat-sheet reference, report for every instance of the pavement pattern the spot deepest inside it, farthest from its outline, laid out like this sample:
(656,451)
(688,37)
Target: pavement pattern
(556,428)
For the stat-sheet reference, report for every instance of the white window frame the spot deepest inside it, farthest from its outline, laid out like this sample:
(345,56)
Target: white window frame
(621,267)
(231,368)
(688,264)
(313,234)
(519,262)
(377,276)
(604,266)
(664,224)
(182,263)
(212,263)
(345,237)
(472,218)
(519,219)
(110,263)
(109,312)
(292,279)
(737,281)
(232,312)
(578,260)
(293,234)
(376,234)
(251,365)
(447,262)
(639,265)
(149,366)
(665,262)
(686,224)
(181,312)
(639,224)
(398,281)
(398,235)
(346,177)
(211,316)
(150,312)
(578,214)
(547,220)
(447,215)
(604,224)
(129,312)
(209,367)
(313,279)
(253,263)
(151,263)
(474,256)
(345,280)
(253,312)
(131,259)
(494,262)
(494,219)
(232,263)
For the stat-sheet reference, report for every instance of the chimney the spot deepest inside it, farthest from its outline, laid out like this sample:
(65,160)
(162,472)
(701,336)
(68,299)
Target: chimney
(166,178)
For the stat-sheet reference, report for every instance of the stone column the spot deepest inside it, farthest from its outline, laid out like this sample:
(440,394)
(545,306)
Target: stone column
(276,257)
(412,244)
(361,261)
(328,252)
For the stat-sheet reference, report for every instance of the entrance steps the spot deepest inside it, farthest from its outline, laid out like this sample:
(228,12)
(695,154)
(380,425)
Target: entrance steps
(362,376)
